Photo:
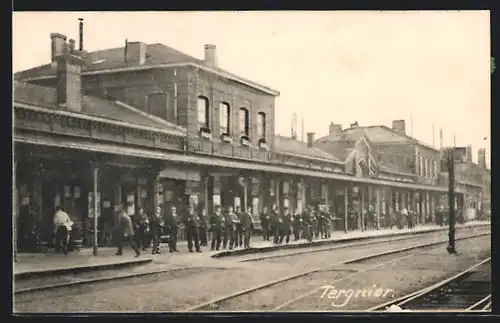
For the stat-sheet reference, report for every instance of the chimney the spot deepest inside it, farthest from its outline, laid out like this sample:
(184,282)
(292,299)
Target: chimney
(210,55)
(335,128)
(136,52)
(71,45)
(469,153)
(481,158)
(80,34)
(58,43)
(399,126)
(69,85)
(354,125)
(310,139)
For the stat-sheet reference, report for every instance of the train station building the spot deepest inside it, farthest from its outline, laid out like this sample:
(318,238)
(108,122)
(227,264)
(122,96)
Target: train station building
(150,125)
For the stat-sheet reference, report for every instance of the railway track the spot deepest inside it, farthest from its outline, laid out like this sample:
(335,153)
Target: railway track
(111,275)
(218,304)
(469,290)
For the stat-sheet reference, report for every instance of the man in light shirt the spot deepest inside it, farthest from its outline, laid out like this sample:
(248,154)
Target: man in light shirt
(62,227)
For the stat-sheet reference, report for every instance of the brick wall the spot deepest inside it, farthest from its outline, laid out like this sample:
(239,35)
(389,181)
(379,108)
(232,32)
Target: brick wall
(401,155)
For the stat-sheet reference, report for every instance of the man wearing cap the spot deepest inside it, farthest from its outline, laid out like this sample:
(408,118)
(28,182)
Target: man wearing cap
(285,225)
(216,227)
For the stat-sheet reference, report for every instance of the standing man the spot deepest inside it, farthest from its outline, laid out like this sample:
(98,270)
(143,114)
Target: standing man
(247,226)
(307,224)
(203,227)
(156,229)
(239,228)
(172,227)
(321,222)
(277,223)
(230,220)
(264,220)
(314,220)
(192,223)
(328,222)
(440,215)
(62,227)
(216,227)
(285,225)
(126,231)
(296,225)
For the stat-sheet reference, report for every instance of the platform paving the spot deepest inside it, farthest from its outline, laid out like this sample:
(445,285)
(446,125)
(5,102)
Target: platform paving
(50,263)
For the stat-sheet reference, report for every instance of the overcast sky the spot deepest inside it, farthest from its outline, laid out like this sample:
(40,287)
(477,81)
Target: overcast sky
(429,68)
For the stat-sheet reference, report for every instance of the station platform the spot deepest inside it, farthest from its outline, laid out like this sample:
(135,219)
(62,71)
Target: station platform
(259,246)
(32,265)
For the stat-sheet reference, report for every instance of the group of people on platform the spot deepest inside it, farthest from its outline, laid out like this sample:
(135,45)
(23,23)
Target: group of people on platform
(231,227)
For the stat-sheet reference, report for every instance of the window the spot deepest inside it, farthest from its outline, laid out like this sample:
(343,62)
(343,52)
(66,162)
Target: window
(421,166)
(434,168)
(203,112)
(261,126)
(157,105)
(224,118)
(244,131)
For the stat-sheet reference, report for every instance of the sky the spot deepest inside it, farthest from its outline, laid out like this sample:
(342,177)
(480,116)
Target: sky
(430,68)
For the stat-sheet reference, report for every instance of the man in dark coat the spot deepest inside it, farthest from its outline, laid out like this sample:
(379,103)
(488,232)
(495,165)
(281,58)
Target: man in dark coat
(240,214)
(247,226)
(315,222)
(203,227)
(171,226)
(192,224)
(307,224)
(264,220)
(276,221)
(321,223)
(285,225)
(296,225)
(440,216)
(230,220)
(125,231)
(156,229)
(216,227)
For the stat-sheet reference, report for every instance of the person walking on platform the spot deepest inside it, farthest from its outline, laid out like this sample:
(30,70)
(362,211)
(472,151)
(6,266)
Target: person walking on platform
(297,225)
(157,229)
(264,221)
(172,227)
(216,227)
(230,220)
(192,225)
(240,214)
(203,227)
(247,226)
(285,225)
(125,231)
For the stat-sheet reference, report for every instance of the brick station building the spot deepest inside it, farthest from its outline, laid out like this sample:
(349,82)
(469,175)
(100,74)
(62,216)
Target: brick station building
(150,125)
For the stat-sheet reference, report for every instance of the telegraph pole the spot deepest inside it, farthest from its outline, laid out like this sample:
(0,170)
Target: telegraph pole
(451,201)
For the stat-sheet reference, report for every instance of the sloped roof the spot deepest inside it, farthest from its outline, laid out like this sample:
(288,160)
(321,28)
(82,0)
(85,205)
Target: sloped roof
(93,106)
(376,134)
(296,147)
(390,167)
(340,150)
(114,58)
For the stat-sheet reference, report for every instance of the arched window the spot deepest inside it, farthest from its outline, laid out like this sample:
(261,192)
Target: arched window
(203,112)
(244,122)
(261,126)
(224,118)
(157,104)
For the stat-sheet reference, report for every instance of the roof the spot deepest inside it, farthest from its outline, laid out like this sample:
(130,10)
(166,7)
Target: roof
(340,150)
(45,97)
(376,134)
(390,167)
(113,58)
(295,147)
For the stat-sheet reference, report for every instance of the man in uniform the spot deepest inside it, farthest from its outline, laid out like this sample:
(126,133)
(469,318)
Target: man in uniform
(247,226)
(192,225)
(125,231)
(156,229)
(264,220)
(285,225)
(230,220)
(296,225)
(172,225)
(216,227)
